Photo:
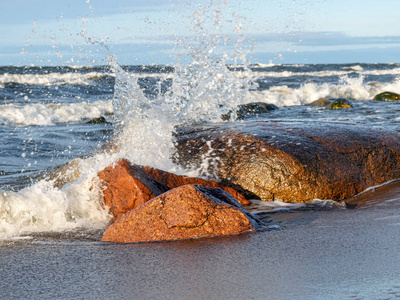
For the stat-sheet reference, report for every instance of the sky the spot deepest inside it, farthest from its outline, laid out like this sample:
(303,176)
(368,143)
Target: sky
(136,32)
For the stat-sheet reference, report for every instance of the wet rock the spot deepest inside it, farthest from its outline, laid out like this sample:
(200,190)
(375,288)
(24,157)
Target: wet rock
(65,173)
(322,101)
(384,193)
(126,186)
(187,212)
(387,96)
(100,120)
(292,161)
(250,109)
(61,175)
(340,103)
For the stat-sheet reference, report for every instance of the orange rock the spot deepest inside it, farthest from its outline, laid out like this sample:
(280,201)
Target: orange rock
(122,191)
(171,181)
(186,212)
(127,186)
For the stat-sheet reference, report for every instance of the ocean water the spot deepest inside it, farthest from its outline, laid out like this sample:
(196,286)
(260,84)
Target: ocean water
(50,234)
(45,115)
(51,219)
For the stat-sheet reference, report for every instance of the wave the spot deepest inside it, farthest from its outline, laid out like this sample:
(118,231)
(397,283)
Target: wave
(72,78)
(353,68)
(261,207)
(350,88)
(325,73)
(52,78)
(44,208)
(52,114)
(259,70)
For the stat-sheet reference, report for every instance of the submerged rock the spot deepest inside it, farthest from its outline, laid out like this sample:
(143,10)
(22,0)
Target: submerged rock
(387,96)
(250,109)
(100,120)
(322,101)
(126,186)
(186,212)
(291,161)
(65,173)
(340,103)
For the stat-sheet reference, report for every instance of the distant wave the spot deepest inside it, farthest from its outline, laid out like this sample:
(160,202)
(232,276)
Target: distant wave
(350,88)
(52,114)
(71,78)
(327,73)
(76,77)
(52,78)
(63,113)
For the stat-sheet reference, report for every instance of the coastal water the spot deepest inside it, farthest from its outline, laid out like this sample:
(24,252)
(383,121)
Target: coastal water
(86,117)
(335,254)
(50,235)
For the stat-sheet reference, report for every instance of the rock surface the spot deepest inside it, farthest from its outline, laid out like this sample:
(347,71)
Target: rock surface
(322,101)
(293,162)
(250,109)
(340,103)
(127,186)
(387,192)
(387,96)
(189,211)
(99,120)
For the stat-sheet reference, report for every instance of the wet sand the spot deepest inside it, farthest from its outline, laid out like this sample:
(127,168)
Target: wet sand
(335,254)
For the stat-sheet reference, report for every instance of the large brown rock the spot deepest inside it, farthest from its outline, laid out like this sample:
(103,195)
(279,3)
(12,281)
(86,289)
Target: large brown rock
(189,211)
(126,186)
(292,161)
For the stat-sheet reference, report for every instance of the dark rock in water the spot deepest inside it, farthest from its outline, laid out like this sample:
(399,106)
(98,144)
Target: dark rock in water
(322,101)
(387,96)
(127,186)
(340,103)
(186,212)
(250,109)
(291,161)
(100,120)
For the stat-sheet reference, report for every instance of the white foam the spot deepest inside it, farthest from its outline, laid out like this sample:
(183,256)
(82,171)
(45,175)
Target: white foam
(354,68)
(52,78)
(51,114)
(325,73)
(276,206)
(42,207)
(350,88)
(66,78)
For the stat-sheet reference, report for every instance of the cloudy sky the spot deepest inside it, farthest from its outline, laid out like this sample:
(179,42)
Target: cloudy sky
(82,32)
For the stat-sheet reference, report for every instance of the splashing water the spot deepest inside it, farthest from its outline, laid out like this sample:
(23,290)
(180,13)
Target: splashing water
(143,126)
(205,88)
(202,89)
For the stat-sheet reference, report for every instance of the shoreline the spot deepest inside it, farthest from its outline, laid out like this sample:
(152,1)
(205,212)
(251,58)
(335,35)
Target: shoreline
(350,253)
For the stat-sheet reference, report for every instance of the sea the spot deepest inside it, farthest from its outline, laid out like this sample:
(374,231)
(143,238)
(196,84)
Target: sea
(50,234)
(62,124)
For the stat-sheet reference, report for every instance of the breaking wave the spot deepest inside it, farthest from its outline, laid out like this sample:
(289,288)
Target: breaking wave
(54,113)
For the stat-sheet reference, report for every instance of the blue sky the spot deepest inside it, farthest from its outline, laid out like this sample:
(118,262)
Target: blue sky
(72,32)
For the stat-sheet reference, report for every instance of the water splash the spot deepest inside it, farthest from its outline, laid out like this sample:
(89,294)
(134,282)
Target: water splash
(203,88)
(143,126)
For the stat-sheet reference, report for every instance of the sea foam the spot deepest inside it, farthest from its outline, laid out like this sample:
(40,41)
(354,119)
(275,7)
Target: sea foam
(54,113)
